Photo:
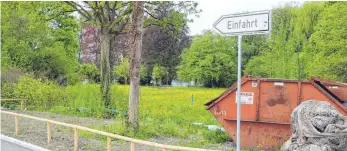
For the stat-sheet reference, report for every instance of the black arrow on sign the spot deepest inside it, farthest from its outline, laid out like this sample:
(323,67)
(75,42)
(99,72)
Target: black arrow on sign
(265,23)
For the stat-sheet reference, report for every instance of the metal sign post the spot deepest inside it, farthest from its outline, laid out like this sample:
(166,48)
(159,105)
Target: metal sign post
(239,57)
(250,23)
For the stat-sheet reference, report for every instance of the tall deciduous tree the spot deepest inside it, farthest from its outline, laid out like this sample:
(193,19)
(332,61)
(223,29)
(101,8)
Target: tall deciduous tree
(136,30)
(210,60)
(113,18)
(165,50)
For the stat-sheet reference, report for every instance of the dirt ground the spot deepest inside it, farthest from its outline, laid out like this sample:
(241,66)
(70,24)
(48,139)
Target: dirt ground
(35,132)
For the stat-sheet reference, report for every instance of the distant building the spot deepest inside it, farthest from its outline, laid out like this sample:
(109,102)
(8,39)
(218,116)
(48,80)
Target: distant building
(181,83)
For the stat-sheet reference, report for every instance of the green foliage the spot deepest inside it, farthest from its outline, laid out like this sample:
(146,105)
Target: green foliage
(7,90)
(327,50)
(143,72)
(258,66)
(51,62)
(158,73)
(217,136)
(20,33)
(122,70)
(36,37)
(73,78)
(173,15)
(252,46)
(41,94)
(77,99)
(211,59)
(278,59)
(90,71)
(305,41)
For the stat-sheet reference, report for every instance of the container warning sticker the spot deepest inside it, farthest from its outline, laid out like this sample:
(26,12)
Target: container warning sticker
(254,84)
(246,98)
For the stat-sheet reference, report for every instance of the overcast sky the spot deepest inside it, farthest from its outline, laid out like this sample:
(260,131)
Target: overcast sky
(213,9)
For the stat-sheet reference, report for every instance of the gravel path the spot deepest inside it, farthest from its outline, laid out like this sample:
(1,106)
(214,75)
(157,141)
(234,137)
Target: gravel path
(35,132)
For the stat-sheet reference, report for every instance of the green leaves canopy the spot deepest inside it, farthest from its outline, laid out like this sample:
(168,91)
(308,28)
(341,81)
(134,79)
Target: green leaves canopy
(211,59)
(37,37)
(327,51)
(306,41)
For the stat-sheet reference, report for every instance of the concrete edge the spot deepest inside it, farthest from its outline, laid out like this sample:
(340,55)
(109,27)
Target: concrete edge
(21,143)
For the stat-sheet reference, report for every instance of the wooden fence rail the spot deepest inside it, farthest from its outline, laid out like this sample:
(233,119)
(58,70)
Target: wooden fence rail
(21,102)
(76,128)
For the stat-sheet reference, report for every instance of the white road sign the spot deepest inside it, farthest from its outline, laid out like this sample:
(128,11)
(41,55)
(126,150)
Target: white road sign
(244,23)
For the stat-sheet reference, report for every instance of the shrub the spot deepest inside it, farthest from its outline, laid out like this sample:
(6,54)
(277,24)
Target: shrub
(217,136)
(90,71)
(7,90)
(72,78)
(158,73)
(122,70)
(40,94)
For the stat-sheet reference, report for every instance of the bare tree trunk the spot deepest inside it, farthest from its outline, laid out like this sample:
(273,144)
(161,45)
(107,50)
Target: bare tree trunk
(105,39)
(136,31)
(105,68)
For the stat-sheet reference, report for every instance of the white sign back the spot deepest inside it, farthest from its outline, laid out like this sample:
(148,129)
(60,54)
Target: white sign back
(245,23)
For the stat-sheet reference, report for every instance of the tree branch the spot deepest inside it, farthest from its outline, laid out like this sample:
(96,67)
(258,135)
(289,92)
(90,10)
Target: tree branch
(103,17)
(125,4)
(121,26)
(151,14)
(96,12)
(125,20)
(114,14)
(80,10)
(173,25)
(110,17)
(152,24)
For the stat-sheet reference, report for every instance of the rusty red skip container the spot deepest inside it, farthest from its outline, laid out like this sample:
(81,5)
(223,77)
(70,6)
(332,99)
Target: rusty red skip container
(267,105)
